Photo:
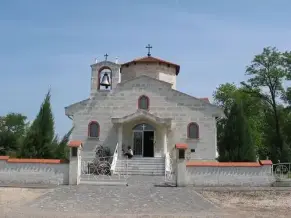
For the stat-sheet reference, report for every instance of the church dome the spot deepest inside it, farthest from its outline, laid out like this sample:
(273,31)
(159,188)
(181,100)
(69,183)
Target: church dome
(151,67)
(151,60)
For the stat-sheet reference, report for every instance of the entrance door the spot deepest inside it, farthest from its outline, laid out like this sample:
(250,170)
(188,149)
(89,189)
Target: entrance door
(148,144)
(137,143)
(143,140)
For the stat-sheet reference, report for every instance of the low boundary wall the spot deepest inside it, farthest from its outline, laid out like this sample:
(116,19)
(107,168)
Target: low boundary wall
(33,171)
(229,173)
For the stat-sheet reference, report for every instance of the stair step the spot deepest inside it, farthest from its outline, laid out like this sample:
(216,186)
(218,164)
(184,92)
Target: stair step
(145,173)
(140,161)
(140,169)
(139,164)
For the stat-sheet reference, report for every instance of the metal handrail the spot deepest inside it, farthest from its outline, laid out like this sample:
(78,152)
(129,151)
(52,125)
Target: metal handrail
(115,156)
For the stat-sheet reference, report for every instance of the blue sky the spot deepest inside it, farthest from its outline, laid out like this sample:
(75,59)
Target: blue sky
(51,44)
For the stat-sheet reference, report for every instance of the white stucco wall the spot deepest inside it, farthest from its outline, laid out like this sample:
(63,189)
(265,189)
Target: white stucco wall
(33,173)
(229,176)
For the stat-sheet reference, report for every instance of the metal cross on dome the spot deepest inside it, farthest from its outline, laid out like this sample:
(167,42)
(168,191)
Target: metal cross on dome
(149,47)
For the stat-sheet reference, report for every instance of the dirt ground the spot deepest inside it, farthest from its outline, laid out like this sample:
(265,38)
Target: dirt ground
(229,203)
(271,203)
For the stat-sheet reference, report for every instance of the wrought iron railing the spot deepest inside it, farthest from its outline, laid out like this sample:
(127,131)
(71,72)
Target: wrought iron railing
(103,167)
(282,171)
(170,175)
(115,157)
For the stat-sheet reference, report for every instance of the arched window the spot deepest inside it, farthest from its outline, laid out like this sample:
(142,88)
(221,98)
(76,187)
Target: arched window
(193,131)
(143,102)
(93,129)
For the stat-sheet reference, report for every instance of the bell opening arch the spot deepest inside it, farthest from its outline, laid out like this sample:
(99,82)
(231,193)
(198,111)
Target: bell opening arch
(105,78)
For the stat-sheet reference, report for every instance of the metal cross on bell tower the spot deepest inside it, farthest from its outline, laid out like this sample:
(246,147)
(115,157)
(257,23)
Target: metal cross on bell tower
(106,56)
(149,47)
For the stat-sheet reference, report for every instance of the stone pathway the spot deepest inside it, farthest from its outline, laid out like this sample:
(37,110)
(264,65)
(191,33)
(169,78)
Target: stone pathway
(142,196)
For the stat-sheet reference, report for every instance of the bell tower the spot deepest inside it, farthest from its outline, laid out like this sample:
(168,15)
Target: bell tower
(105,75)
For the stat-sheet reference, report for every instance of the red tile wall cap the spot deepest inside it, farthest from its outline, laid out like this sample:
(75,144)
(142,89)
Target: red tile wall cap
(4,157)
(181,146)
(41,161)
(75,143)
(266,162)
(222,164)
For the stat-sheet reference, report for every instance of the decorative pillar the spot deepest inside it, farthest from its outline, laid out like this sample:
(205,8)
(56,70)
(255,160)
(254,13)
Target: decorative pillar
(119,136)
(164,135)
(75,162)
(181,177)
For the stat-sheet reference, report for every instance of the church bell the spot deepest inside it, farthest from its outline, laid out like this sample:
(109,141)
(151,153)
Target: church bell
(105,81)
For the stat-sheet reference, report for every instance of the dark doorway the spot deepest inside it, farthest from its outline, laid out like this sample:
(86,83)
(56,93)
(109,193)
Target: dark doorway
(148,144)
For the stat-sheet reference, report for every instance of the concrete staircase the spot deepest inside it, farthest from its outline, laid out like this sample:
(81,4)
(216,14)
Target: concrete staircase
(154,166)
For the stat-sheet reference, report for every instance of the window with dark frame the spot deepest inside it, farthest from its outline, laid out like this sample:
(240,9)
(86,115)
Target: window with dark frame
(74,152)
(193,131)
(181,154)
(94,129)
(143,102)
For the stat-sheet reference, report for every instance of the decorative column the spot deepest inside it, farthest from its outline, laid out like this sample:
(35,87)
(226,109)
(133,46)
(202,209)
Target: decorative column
(181,177)
(75,162)
(119,138)
(164,135)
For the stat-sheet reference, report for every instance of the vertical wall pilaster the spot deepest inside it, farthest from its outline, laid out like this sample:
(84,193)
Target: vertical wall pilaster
(119,136)
(75,162)
(181,179)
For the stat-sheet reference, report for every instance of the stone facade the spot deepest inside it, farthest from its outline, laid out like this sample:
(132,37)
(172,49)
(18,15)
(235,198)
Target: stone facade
(165,102)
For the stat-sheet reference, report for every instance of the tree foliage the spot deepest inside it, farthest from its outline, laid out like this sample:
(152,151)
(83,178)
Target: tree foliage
(263,96)
(236,142)
(40,140)
(12,130)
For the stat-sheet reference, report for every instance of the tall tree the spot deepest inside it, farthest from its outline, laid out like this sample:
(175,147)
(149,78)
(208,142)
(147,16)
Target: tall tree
(62,150)
(12,130)
(225,96)
(267,72)
(39,141)
(236,142)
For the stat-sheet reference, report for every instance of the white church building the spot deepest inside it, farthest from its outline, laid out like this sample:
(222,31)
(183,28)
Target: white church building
(137,104)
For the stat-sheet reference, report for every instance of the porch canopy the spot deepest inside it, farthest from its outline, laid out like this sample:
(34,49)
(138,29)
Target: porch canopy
(142,114)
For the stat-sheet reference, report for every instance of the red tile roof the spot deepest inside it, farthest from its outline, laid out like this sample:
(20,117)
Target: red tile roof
(75,143)
(181,146)
(205,99)
(150,59)
(266,162)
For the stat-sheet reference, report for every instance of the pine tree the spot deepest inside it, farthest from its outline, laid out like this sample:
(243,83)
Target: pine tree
(236,144)
(38,142)
(62,150)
